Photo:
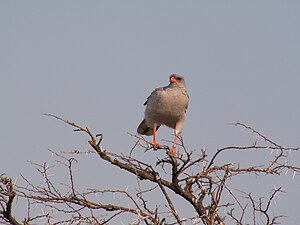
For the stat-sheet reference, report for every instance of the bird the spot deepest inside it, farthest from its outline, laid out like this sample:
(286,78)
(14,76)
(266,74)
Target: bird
(166,106)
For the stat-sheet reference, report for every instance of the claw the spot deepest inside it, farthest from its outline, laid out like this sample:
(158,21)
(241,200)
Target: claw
(172,150)
(155,145)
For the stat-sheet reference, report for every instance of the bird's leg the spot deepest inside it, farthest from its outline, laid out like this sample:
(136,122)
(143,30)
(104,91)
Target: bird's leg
(154,143)
(154,137)
(173,149)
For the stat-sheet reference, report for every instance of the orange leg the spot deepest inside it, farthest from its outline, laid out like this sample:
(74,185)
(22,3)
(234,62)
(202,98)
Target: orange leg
(173,149)
(154,137)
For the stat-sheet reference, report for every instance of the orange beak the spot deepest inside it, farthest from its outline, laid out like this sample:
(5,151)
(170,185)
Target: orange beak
(173,80)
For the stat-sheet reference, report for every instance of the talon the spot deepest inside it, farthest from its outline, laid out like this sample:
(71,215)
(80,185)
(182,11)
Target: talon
(155,145)
(172,151)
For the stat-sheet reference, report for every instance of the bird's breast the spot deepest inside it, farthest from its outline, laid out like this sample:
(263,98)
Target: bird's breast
(167,107)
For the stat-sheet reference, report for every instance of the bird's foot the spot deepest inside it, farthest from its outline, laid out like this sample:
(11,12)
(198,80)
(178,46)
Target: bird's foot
(155,145)
(172,150)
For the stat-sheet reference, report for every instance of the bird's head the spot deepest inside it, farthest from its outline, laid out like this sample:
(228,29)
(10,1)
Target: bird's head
(176,79)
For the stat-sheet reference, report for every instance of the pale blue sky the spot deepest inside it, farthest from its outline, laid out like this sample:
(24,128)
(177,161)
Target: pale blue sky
(95,63)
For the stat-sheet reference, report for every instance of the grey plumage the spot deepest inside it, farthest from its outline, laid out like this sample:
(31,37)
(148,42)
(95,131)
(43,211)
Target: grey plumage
(166,106)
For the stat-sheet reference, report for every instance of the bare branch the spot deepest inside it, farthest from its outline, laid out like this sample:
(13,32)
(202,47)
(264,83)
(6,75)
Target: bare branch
(194,176)
(7,195)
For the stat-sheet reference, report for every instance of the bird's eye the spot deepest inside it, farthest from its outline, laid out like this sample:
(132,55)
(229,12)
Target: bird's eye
(178,78)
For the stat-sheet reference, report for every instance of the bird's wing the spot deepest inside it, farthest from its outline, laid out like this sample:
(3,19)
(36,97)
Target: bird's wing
(154,93)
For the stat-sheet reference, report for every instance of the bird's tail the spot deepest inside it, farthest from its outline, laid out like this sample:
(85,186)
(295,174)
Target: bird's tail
(144,129)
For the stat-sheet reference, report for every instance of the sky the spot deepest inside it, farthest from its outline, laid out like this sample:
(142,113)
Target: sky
(95,63)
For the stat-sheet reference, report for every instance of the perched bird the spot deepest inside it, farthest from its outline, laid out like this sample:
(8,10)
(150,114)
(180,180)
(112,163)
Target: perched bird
(166,106)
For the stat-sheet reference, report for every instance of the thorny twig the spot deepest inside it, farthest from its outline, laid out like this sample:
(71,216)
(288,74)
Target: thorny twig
(194,177)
